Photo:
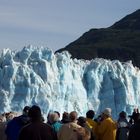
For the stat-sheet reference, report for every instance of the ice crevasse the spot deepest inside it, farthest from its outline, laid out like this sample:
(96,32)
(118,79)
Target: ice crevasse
(37,76)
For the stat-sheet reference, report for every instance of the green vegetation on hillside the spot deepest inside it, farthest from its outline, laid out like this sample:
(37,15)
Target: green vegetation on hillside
(121,41)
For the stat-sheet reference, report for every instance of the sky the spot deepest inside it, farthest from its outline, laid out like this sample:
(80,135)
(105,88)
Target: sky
(56,23)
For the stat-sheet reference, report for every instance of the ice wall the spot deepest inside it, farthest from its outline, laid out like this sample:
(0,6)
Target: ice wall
(57,82)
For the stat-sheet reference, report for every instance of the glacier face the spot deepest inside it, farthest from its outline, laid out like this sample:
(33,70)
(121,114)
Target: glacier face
(58,82)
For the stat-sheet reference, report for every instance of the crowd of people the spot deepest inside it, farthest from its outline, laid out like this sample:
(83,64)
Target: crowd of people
(32,126)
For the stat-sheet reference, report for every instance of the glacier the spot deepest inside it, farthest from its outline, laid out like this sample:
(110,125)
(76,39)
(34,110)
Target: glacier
(56,82)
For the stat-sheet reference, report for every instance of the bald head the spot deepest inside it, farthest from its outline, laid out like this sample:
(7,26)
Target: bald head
(73,116)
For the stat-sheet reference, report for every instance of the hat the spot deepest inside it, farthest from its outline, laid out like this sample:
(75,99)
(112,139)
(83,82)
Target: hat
(107,111)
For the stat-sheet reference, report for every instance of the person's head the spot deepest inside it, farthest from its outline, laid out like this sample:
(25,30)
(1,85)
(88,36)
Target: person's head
(65,117)
(2,118)
(10,116)
(73,116)
(122,115)
(90,114)
(106,113)
(26,110)
(81,121)
(35,113)
(57,113)
(136,117)
(136,110)
(53,117)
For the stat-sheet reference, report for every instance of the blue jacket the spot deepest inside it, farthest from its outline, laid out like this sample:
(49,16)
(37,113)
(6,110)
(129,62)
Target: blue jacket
(14,126)
(56,126)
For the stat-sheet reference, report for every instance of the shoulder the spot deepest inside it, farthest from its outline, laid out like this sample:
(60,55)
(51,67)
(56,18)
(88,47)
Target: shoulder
(42,125)
(74,125)
(108,121)
(26,127)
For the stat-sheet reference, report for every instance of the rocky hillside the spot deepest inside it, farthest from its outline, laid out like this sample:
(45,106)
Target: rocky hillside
(120,41)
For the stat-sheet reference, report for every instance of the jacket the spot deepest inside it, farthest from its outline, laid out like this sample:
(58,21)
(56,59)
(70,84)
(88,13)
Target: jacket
(134,133)
(93,125)
(2,131)
(107,129)
(14,126)
(37,131)
(68,131)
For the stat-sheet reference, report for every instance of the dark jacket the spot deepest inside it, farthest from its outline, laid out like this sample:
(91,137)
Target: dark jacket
(14,126)
(123,129)
(134,133)
(37,131)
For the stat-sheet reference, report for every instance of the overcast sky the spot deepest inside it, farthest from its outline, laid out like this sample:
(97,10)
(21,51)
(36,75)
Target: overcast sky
(56,23)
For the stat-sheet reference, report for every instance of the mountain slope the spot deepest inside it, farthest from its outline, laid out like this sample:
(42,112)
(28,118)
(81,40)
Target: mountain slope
(121,41)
